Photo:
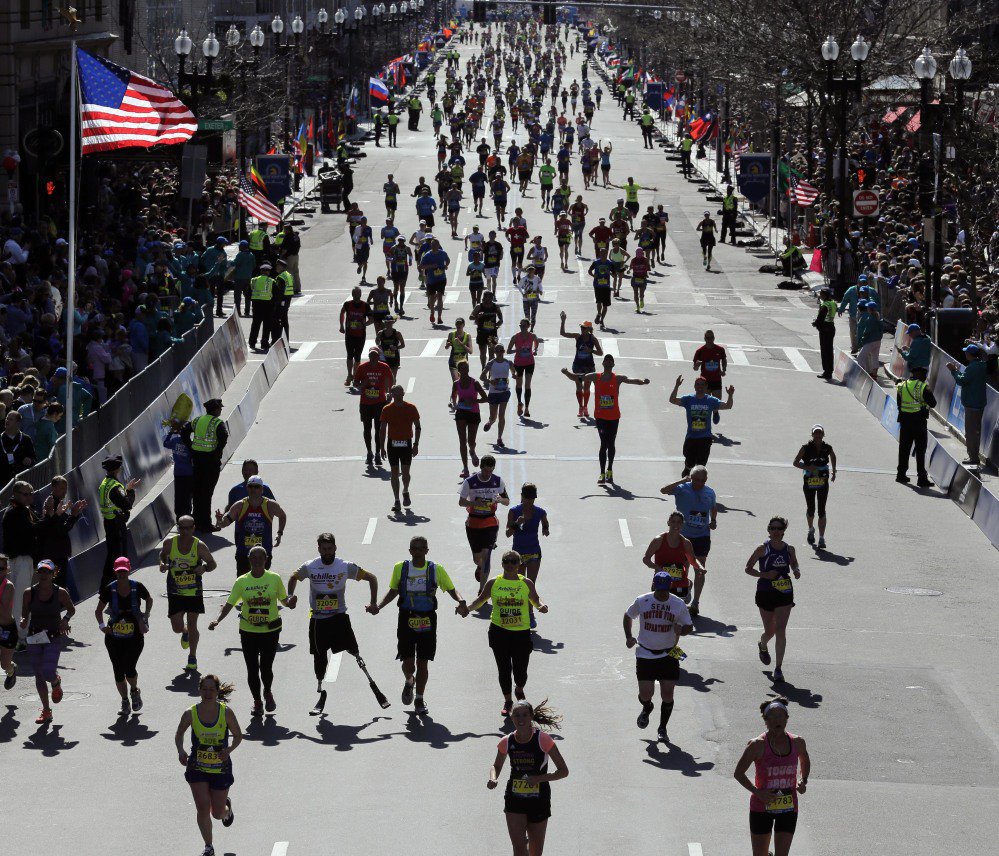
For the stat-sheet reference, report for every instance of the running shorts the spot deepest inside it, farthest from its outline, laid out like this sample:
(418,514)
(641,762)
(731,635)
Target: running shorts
(417,635)
(762,822)
(402,454)
(177,603)
(480,539)
(657,669)
(768,601)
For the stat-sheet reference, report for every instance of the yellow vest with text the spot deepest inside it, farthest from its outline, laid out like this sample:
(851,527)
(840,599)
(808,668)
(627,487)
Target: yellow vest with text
(256,239)
(289,282)
(910,393)
(261,287)
(109,511)
(204,433)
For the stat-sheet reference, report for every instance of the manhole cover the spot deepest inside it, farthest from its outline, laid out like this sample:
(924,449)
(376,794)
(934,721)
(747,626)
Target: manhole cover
(918,592)
(66,696)
(208,593)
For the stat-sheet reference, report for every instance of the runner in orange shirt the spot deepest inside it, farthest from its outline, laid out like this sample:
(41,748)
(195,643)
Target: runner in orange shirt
(399,421)
(372,380)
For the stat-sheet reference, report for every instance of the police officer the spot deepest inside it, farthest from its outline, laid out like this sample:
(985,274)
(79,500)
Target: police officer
(629,104)
(115,501)
(647,121)
(415,108)
(686,144)
(206,436)
(259,243)
(914,399)
(825,323)
(730,209)
(284,291)
(393,127)
(261,294)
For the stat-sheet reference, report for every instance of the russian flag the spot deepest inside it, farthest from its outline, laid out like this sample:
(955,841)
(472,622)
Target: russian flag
(377,90)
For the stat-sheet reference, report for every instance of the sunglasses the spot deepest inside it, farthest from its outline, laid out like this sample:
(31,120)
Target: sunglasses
(511,562)
(775,528)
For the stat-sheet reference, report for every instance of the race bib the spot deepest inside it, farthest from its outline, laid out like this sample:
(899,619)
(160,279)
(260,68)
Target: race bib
(123,628)
(355,325)
(185,580)
(257,615)
(698,423)
(523,788)
(327,603)
(781,584)
(400,444)
(253,540)
(815,481)
(486,505)
(419,623)
(208,760)
(675,571)
(508,618)
(781,804)
(371,393)
(606,402)
(488,325)
(677,653)
(531,295)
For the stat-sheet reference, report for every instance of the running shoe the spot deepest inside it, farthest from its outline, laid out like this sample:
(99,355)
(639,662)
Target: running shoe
(45,715)
(463,474)
(778,675)
(405,499)
(257,709)
(694,609)
(520,409)
(8,682)
(811,536)
(397,507)
(136,699)
(378,460)
(586,412)
(474,457)
(407,693)
(126,707)
(602,479)
(822,543)
(231,816)
(580,413)
(663,734)
(610,476)
(764,654)
(270,705)
(487,426)
(184,642)
(421,706)
(192,665)
(507,707)
(208,851)
(57,691)
(527,414)
(369,460)
(643,717)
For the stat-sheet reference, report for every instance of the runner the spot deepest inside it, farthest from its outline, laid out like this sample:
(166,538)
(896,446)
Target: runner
(531,290)
(8,625)
(510,625)
(185,559)
(373,380)
(254,519)
(673,553)
(355,316)
(415,582)
(524,346)
(537,257)
(563,233)
(380,304)
(707,227)
(391,343)
(399,420)
(712,362)
(258,593)
(434,265)
(606,410)
(601,235)
(664,619)
(124,633)
(459,343)
(777,755)
(815,458)
(527,800)
(389,234)
(618,258)
(698,505)
(487,317)
(209,763)
(400,261)
(362,237)
(45,628)
(697,443)
(492,256)
(517,235)
(480,494)
(605,153)
(577,213)
(330,631)
(496,375)
(631,189)
(601,270)
(586,345)
(640,266)
(523,522)
(774,590)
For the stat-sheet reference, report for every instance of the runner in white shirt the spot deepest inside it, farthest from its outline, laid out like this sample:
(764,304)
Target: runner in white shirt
(474,241)
(664,619)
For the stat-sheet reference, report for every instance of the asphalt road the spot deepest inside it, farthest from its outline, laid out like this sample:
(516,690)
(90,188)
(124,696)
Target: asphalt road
(894,692)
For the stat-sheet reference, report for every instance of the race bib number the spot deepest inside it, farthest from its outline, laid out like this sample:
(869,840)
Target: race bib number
(781,584)
(711,366)
(523,788)
(781,804)
(329,603)
(253,540)
(400,444)
(606,402)
(419,623)
(485,505)
(675,571)
(509,617)
(123,628)
(371,393)
(355,325)
(531,295)
(815,481)
(488,325)
(208,759)
(677,653)
(698,423)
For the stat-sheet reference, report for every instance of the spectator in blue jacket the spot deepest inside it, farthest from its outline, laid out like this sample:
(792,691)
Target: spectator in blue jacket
(972,381)
(187,317)
(243,267)
(183,470)
(869,334)
(920,349)
(138,339)
(849,305)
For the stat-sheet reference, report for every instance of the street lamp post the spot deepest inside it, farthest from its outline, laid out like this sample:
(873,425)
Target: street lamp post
(843,88)
(232,40)
(925,69)
(289,49)
(195,79)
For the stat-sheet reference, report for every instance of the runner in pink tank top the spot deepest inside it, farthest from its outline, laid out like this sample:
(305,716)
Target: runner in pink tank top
(523,346)
(773,806)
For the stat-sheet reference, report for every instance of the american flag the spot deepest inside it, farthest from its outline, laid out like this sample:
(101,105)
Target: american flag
(120,109)
(256,204)
(803,193)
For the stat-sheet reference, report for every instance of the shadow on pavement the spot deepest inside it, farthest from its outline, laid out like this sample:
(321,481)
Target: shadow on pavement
(343,738)
(722,440)
(128,730)
(408,518)
(532,423)
(675,759)
(185,682)
(424,729)
(704,625)
(49,741)
(697,682)
(506,451)
(267,730)
(725,509)
(545,646)
(798,695)
(8,724)
(824,555)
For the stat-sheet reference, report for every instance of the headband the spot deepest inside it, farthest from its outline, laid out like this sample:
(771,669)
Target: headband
(774,705)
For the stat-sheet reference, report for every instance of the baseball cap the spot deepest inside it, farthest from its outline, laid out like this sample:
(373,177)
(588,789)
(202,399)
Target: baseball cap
(374,350)
(862,278)
(189,300)
(60,372)
(243,244)
(585,323)
(913,328)
(46,565)
(255,480)
(123,564)
(971,349)
(222,242)
(661,581)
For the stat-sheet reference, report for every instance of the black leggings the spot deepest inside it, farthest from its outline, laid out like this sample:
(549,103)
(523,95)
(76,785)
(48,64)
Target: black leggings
(259,650)
(124,654)
(811,494)
(512,650)
(607,431)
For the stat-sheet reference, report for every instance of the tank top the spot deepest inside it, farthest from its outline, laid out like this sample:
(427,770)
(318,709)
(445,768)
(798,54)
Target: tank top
(45,614)
(485,319)
(606,403)
(253,527)
(584,348)
(181,579)
(775,560)
(523,344)
(527,759)
(817,460)
(777,773)
(525,538)
(461,344)
(510,604)
(389,345)
(639,269)
(206,741)
(468,396)
(499,375)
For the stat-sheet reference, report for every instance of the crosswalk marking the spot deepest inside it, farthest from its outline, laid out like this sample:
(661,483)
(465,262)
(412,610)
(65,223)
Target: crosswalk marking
(694,849)
(302,352)
(550,347)
(625,531)
(737,356)
(503,295)
(699,299)
(797,360)
(301,301)
(432,347)
(452,297)
(280,848)
(610,347)
(369,533)
(410,384)
(748,300)
(674,353)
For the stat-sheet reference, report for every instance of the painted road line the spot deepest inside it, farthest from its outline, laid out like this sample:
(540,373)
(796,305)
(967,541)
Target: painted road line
(549,296)
(280,848)
(451,297)
(797,360)
(748,300)
(610,347)
(550,347)
(410,384)
(737,356)
(673,351)
(625,531)
(694,849)
(369,533)
(432,347)
(503,295)
(303,300)
(699,299)
(302,352)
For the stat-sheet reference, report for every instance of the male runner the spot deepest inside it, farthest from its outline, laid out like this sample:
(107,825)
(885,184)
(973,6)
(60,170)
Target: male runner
(699,406)
(712,361)
(480,493)
(254,519)
(372,379)
(398,421)
(184,559)
(698,505)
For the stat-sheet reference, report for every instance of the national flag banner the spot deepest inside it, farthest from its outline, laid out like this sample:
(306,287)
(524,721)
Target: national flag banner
(256,204)
(803,193)
(257,178)
(613,62)
(377,90)
(120,109)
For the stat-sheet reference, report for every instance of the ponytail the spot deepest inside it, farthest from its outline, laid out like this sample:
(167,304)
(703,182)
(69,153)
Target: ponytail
(544,715)
(224,690)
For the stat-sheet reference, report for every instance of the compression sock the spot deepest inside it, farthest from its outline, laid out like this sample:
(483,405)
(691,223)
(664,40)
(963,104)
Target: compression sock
(665,711)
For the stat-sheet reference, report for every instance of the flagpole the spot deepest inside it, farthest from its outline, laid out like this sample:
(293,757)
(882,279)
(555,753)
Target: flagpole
(71,285)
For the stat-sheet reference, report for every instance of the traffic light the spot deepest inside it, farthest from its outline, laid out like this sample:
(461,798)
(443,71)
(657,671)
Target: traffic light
(548,15)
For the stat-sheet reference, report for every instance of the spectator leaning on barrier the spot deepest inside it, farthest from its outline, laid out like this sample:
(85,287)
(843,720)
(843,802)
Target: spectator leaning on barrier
(19,536)
(849,305)
(59,516)
(920,349)
(17,452)
(972,380)
(183,470)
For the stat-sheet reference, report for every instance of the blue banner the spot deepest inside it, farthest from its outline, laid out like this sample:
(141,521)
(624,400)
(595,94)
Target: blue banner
(276,172)
(654,96)
(754,176)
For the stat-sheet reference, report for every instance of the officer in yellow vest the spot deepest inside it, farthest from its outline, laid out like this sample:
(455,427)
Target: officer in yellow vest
(730,210)
(914,399)
(393,127)
(825,323)
(629,104)
(415,108)
(206,436)
(284,291)
(686,144)
(647,121)
(259,244)
(261,293)
(115,501)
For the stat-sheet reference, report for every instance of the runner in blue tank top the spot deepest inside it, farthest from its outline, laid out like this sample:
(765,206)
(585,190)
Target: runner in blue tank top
(523,523)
